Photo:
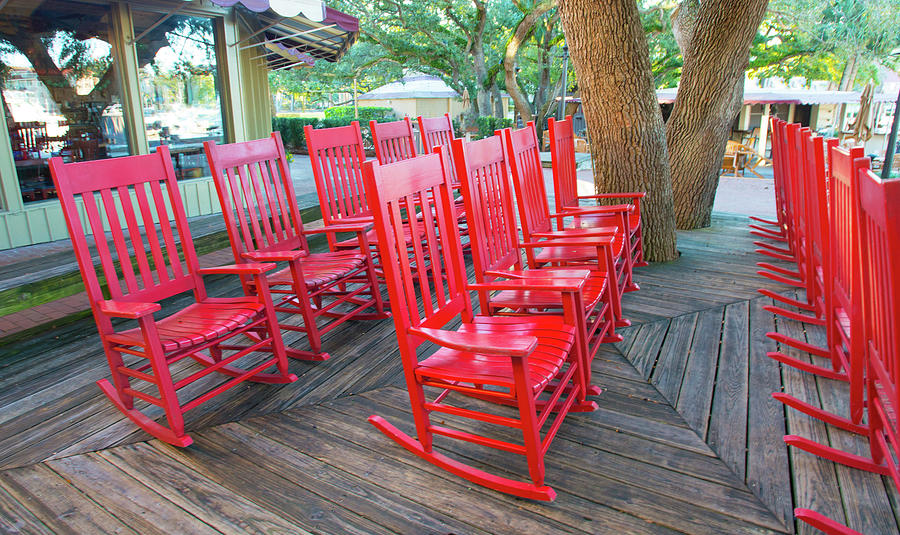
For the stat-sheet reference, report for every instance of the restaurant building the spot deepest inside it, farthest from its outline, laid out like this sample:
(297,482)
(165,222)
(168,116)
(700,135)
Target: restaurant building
(90,79)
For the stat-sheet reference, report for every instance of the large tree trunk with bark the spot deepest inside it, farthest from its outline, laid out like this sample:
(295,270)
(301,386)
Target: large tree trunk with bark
(715,39)
(609,49)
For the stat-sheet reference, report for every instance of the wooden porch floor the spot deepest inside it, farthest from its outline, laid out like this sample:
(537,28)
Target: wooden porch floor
(687,438)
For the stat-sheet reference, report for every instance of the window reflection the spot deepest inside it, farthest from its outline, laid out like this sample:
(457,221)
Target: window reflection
(179,88)
(59,92)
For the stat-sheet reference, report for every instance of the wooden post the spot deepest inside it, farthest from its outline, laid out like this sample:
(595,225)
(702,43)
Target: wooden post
(764,130)
(791,111)
(126,62)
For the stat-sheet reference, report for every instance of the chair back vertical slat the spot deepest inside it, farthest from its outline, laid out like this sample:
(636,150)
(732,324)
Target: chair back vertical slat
(95,221)
(879,237)
(418,186)
(337,155)
(562,152)
(149,222)
(134,231)
(109,189)
(262,204)
(528,179)
(264,215)
(484,178)
(110,210)
(163,215)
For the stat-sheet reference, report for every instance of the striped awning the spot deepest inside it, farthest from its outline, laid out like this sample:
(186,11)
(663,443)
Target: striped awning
(286,42)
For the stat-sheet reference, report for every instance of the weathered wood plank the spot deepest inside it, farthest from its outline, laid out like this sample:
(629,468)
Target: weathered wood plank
(728,420)
(695,395)
(16,518)
(60,506)
(669,371)
(768,469)
(223,509)
(645,350)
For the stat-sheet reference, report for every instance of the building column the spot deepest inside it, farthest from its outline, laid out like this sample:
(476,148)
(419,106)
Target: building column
(790,117)
(126,64)
(10,193)
(763,131)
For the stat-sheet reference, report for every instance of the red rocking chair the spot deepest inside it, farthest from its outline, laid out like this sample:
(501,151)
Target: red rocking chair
(495,251)
(510,360)
(127,195)
(537,224)
(263,222)
(337,155)
(565,184)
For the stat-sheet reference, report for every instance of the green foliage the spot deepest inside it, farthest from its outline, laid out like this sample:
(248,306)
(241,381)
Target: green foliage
(291,129)
(819,39)
(487,125)
(378,114)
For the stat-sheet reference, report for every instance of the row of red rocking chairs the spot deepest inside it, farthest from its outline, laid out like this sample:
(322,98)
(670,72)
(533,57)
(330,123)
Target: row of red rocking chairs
(839,224)
(397,219)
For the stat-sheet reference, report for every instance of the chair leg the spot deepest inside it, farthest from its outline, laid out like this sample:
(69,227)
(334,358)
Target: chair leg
(823,523)
(820,414)
(839,456)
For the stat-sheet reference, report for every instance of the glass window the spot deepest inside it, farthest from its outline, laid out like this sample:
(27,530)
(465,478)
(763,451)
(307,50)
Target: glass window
(59,91)
(180,88)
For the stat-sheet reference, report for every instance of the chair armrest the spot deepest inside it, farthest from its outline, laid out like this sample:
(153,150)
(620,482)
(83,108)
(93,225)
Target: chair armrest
(590,232)
(274,256)
(588,210)
(362,226)
(629,195)
(238,269)
(561,284)
(603,240)
(131,310)
(512,345)
(556,272)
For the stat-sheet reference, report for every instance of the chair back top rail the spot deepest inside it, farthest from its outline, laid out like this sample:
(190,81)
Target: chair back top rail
(337,155)
(484,178)
(419,296)
(256,193)
(394,141)
(122,196)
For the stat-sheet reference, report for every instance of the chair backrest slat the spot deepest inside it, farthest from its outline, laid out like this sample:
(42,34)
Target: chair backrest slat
(562,154)
(257,195)
(337,156)
(394,141)
(434,274)
(484,178)
(528,179)
(109,190)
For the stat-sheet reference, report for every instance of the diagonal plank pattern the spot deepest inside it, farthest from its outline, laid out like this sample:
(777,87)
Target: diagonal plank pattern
(686,440)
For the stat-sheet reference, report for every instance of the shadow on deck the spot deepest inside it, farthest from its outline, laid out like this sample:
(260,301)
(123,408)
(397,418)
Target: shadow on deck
(687,438)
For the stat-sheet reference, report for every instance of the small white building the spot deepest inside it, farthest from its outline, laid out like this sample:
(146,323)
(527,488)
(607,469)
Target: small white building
(817,109)
(419,94)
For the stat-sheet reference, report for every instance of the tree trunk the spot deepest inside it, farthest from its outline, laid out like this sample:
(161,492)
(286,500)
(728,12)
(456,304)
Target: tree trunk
(610,54)
(510,57)
(716,37)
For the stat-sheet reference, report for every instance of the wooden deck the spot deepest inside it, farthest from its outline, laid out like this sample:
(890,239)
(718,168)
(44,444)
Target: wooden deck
(687,438)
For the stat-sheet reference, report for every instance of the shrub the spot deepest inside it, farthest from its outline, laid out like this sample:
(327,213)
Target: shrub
(379,114)
(488,125)
(291,129)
